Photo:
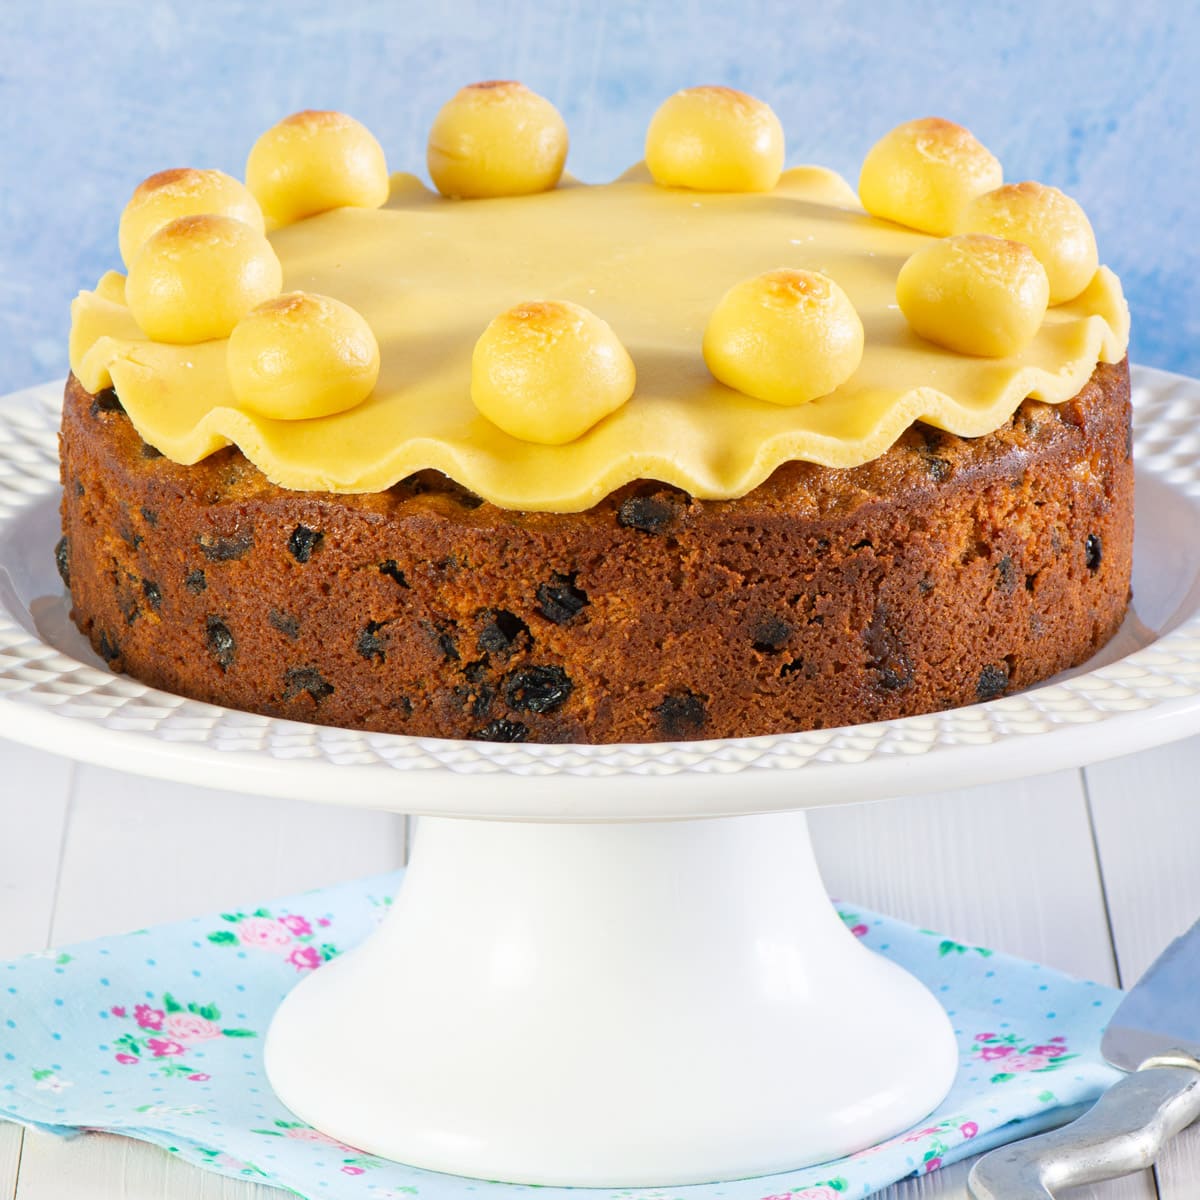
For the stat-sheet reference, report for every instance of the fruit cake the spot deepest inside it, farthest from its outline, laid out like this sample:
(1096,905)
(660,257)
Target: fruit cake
(714,450)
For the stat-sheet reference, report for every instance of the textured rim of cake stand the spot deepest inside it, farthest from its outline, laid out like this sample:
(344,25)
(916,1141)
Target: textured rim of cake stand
(68,704)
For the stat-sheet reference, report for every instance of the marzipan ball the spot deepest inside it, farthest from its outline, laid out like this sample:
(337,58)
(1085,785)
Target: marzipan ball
(924,173)
(314,161)
(302,355)
(496,139)
(183,192)
(1050,223)
(715,139)
(547,371)
(975,294)
(197,277)
(787,336)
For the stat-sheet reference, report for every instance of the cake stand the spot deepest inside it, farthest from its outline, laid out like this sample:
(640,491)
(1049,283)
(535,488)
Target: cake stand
(611,965)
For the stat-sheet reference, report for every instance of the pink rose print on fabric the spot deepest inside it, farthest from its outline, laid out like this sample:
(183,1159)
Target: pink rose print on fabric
(938,1140)
(147,1017)
(161,1048)
(855,924)
(264,934)
(832,1189)
(1016,1056)
(290,935)
(163,1035)
(355,1162)
(306,958)
(191,1027)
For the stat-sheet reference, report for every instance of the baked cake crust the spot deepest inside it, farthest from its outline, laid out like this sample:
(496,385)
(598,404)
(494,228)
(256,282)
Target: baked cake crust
(944,572)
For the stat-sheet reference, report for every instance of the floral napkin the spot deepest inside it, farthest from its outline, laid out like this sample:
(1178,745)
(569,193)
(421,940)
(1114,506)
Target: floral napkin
(158,1035)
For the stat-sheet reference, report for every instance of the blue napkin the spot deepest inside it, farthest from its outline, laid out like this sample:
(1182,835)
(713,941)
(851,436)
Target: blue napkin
(158,1035)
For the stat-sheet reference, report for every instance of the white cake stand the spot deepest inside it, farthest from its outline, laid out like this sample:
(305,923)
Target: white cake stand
(582,981)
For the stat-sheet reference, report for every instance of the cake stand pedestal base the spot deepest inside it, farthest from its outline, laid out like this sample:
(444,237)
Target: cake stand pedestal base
(623,1005)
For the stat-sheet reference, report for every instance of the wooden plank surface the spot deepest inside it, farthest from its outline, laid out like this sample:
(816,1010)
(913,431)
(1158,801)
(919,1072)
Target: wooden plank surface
(35,798)
(1146,811)
(1012,866)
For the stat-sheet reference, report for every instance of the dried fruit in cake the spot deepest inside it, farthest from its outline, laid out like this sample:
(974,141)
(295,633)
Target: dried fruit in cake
(496,138)
(974,293)
(924,173)
(548,370)
(195,278)
(313,161)
(302,355)
(183,192)
(786,336)
(1049,222)
(715,139)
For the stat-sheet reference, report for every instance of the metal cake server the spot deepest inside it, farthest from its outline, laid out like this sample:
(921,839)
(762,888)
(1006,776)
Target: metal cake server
(1155,1036)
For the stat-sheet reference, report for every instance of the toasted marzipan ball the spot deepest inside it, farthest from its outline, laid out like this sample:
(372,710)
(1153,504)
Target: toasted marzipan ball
(183,192)
(786,336)
(924,173)
(715,139)
(314,161)
(302,355)
(496,139)
(974,293)
(547,371)
(197,277)
(1049,222)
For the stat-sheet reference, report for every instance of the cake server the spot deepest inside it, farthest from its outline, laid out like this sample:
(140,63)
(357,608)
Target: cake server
(1155,1036)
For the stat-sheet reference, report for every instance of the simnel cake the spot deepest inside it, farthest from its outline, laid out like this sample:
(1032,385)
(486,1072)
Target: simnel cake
(716,449)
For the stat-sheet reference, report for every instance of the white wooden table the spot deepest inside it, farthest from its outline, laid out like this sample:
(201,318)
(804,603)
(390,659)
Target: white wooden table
(1090,871)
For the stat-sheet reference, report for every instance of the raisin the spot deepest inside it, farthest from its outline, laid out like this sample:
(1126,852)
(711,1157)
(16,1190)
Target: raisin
(500,731)
(649,514)
(887,655)
(1007,575)
(285,623)
(392,571)
(770,634)
(993,681)
(62,561)
(938,468)
(303,542)
(79,488)
(149,516)
(479,698)
(306,679)
(369,644)
(791,667)
(1093,552)
(501,632)
(225,549)
(220,641)
(153,594)
(149,451)
(106,401)
(560,600)
(109,650)
(131,539)
(196,581)
(448,647)
(537,689)
(681,714)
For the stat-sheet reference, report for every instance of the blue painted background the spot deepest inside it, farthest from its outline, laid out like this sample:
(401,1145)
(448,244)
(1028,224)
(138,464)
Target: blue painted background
(1101,99)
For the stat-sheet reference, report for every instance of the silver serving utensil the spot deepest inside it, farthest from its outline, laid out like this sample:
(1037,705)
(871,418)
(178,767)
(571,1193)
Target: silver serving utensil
(1154,1035)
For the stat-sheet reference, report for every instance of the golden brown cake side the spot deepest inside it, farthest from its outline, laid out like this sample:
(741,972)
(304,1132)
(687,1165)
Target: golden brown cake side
(944,572)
